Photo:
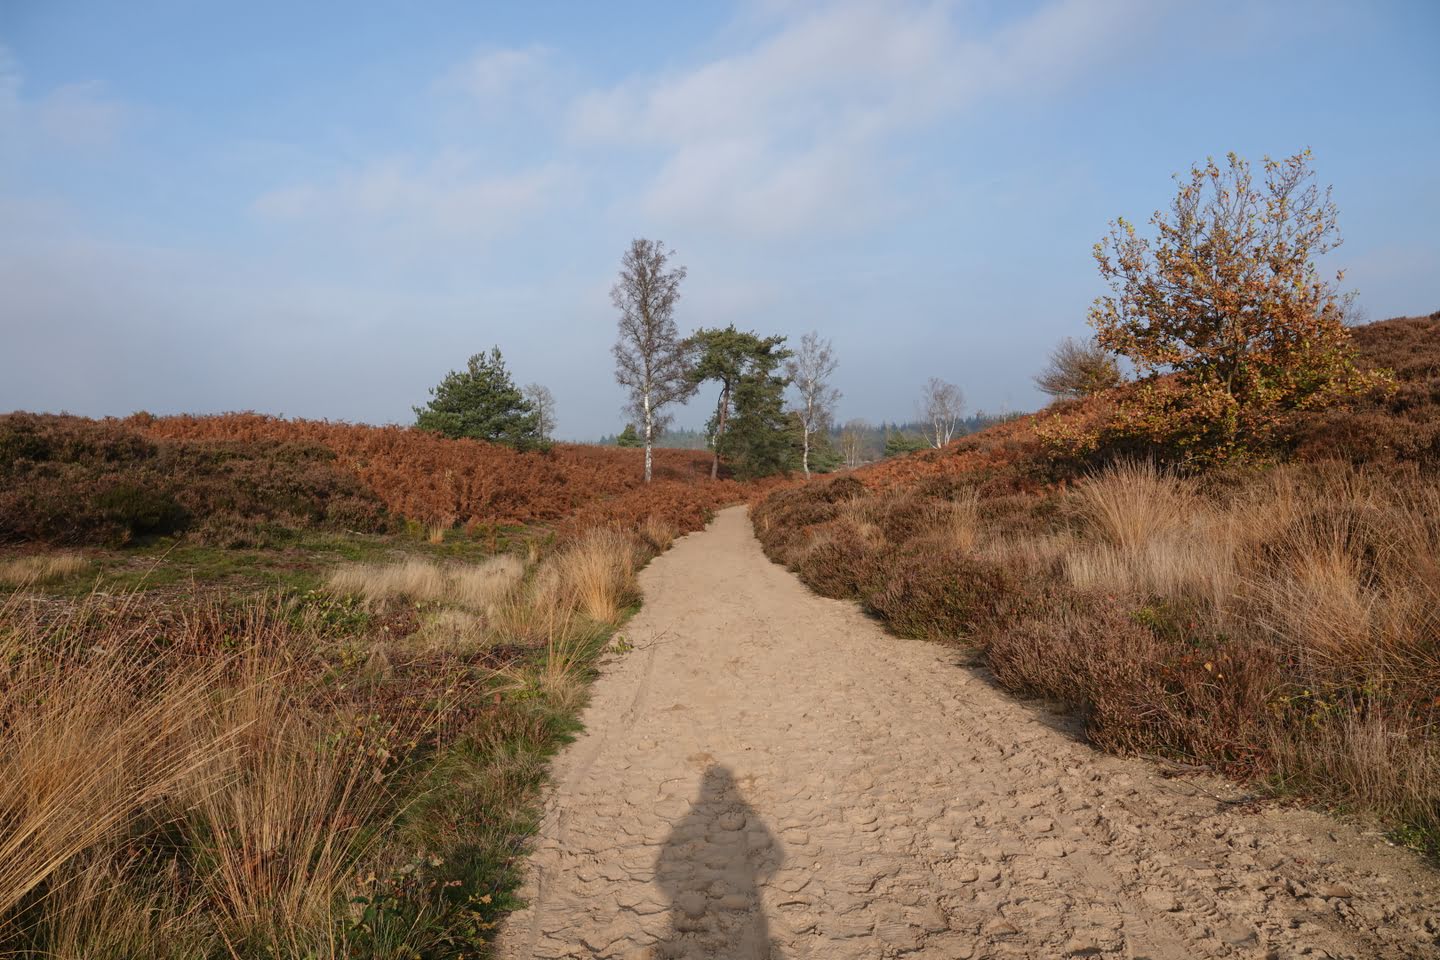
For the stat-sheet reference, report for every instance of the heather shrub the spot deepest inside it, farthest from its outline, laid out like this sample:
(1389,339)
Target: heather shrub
(71,480)
(1277,621)
(840,560)
(942,593)
(842,488)
(1207,702)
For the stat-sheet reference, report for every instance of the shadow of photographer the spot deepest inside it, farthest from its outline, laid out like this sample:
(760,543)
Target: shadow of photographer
(711,867)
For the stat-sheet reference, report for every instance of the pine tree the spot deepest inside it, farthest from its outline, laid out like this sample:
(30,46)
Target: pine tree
(483,403)
(725,356)
(762,438)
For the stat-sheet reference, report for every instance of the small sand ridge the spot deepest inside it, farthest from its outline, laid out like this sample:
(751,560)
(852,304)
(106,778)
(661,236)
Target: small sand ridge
(768,774)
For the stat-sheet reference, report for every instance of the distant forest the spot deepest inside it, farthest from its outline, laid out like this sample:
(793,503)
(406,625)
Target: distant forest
(866,441)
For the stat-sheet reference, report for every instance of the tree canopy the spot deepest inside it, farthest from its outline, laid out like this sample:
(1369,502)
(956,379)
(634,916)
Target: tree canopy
(481,402)
(1228,303)
(651,359)
(762,438)
(1078,369)
(726,356)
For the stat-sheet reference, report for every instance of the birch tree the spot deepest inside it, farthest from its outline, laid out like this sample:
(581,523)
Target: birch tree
(542,401)
(810,370)
(941,405)
(651,359)
(852,442)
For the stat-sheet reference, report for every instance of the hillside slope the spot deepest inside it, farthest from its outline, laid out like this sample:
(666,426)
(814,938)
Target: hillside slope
(1276,623)
(75,480)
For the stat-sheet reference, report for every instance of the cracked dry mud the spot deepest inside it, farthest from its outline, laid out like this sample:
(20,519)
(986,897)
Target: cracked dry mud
(767,773)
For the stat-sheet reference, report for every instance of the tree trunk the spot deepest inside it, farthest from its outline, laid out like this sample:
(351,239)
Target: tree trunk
(719,429)
(805,453)
(649,438)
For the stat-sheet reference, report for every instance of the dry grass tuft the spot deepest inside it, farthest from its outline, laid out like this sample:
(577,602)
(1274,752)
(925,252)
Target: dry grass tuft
(296,812)
(1132,504)
(477,586)
(40,568)
(409,579)
(85,740)
(959,523)
(598,571)
(481,585)
(152,796)
(657,532)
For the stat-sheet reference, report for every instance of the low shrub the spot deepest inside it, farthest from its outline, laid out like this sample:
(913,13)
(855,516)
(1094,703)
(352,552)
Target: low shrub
(70,480)
(936,592)
(1268,621)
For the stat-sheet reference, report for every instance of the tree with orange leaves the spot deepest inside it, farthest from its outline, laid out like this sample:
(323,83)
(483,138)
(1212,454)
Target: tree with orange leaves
(1225,314)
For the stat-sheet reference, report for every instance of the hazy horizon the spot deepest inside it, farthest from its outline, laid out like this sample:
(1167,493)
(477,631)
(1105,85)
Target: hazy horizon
(317,211)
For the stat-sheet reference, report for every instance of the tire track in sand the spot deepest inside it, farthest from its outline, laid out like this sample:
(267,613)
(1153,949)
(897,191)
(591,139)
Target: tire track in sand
(769,774)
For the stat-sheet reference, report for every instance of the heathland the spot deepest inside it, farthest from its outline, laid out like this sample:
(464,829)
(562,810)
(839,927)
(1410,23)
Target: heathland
(286,689)
(1274,618)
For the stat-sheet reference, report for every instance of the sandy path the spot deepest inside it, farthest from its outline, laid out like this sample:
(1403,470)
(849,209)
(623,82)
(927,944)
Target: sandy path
(769,774)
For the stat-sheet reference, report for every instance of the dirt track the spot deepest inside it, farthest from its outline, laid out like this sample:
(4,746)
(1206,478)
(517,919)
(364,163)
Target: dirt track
(769,774)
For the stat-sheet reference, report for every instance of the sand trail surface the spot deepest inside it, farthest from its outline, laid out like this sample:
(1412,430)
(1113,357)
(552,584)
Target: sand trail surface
(768,774)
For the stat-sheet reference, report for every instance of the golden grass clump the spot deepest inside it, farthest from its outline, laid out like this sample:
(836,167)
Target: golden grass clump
(480,585)
(154,797)
(960,521)
(40,568)
(296,811)
(472,585)
(1134,503)
(598,570)
(657,532)
(86,739)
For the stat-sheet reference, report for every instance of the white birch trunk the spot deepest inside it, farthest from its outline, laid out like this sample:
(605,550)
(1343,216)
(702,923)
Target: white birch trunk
(649,436)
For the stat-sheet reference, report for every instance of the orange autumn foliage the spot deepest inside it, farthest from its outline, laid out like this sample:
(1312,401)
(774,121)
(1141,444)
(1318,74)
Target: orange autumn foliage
(436,480)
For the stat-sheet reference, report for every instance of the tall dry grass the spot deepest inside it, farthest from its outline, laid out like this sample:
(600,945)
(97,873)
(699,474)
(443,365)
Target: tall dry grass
(598,571)
(1281,622)
(1150,532)
(40,568)
(87,738)
(471,585)
(1336,571)
(170,798)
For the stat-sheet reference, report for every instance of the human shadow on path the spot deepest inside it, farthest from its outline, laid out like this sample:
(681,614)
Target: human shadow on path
(712,867)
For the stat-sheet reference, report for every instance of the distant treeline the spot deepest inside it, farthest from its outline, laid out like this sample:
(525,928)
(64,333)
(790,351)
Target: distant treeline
(868,441)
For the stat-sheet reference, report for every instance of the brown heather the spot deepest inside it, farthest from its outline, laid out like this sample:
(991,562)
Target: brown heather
(1279,622)
(349,772)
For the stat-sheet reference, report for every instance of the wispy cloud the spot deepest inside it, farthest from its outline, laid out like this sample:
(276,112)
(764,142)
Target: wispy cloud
(72,116)
(791,134)
(496,78)
(451,194)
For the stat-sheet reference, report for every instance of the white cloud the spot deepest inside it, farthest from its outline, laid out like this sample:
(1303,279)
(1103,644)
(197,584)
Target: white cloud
(76,115)
(496,78)
(789,135)
(450,194)
(80,115)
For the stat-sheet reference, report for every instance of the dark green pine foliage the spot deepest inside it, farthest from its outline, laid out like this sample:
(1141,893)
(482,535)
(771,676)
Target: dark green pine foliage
(761,438)
(900,442)
(482,402)
(629,437)
(725,356)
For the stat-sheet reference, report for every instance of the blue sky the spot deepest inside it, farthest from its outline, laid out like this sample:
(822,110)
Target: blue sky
(317,209)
